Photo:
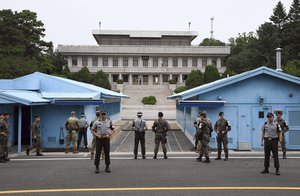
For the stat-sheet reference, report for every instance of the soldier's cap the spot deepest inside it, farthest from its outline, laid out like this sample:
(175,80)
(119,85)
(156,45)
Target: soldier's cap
(279,112)
(160,114)
(270,114)
(82,114)
(98,113)
(139,114)
(103,113)
(36,116)
(221,113)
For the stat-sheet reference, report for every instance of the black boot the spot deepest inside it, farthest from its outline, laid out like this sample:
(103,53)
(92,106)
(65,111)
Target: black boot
(144,156)
(199,158)
(135,156)
(155,156)
(165,156)
(277,172)
(265,171)
(226,157)
(206,160)
(27,151)
(219,157)
(107,170)
(97,170)
(284,155)
(39,154)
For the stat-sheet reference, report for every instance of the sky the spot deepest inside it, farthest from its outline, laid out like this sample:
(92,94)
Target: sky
(70,22)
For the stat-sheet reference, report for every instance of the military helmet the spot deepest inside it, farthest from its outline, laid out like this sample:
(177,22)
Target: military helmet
(139,114)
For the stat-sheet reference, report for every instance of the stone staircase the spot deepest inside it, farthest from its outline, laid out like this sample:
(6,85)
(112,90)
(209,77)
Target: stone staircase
(136,93)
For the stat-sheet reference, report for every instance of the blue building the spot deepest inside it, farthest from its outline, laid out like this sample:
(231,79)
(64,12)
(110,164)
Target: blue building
(245,99)
(53,98)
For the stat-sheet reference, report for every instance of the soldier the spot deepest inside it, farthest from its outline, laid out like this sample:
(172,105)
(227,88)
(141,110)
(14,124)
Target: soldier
(102,129)
(196,133)
(160,128)
(284,127)
(139,126)
(83,125)
(4,138)
(205,129)
(94,137)
(36,137)
(271,135)
(72,126)
(222,126)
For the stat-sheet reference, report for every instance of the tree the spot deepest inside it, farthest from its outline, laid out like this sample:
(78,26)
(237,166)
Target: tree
(294,13)
(211,74)
(211,42)
(293,68)
(101,79)
(83,75)
(279,16)
(195,78)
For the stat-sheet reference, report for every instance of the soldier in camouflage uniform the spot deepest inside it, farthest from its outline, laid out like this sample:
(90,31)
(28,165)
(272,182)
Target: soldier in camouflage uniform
(222,126)
(36,137)
(284,127)
(160,128)
(204,129)
(4,138)
(196,137)
(72,127)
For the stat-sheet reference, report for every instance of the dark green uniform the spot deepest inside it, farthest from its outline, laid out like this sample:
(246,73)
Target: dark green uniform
(222,126)
(204,131)
(284,127)
(160,127)
(3,140)
(36,138)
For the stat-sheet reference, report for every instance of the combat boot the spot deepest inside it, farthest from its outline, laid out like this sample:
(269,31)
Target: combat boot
(226,158)
(67,151)
(144,156)
(284,155)
(277,172)
(219,157)
(265,171)
(75,151)
(165,156)
(27,151)
(2,161)
(207,160)
(199,158)
(155,156)
(39,154)
(135,156)
(97,170)
(107,170)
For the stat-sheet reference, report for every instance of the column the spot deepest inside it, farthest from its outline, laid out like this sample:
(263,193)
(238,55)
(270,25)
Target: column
(170,77)
(120,62)
(160,79)
(209,61)
(170,62)
(180,62)
(110,62)
(19,130)
(180,79)
(150,80)
(100,62)
(130,79)
(120,76)
(219,62)
(159,61)
(110,78)
(79,61)
(130,61)
(69,61)
(190,62)
(89,61)
(199,62)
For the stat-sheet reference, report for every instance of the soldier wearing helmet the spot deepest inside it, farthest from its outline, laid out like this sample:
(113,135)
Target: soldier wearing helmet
(139,126)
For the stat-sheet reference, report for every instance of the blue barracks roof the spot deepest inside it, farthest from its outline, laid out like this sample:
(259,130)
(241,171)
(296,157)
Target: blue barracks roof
(38,89)
(231,80)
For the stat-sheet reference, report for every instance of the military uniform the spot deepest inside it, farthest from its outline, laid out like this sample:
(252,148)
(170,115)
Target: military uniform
(83,125)
(104,129)
(160,127)
(222,126)
(139,126)
(204,132)
(36,139)
(3,140)
(72,126)
(284,127)
(196,136)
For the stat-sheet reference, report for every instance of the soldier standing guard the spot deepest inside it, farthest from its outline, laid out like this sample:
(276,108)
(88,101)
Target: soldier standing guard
(139,126)
(205,129)
(83,125)
(4,138)
(271,135)
(72,126)
(222,126)
(102,129)
(160,128)
(36,137)
(285,128)
(196,137)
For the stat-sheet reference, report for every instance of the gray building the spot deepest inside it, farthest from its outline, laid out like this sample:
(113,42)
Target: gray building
(144,57)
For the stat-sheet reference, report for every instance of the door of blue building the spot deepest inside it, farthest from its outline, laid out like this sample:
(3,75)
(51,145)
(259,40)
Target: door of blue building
(258,118)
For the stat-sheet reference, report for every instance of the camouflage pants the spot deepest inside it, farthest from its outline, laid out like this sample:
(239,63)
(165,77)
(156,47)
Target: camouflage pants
(283,144)
(222,139)
(204,146)
(71,136)
(159,139)
(36,143)
(3,147)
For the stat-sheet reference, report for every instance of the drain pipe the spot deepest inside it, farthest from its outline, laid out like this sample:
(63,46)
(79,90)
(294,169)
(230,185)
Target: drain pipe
(278,59)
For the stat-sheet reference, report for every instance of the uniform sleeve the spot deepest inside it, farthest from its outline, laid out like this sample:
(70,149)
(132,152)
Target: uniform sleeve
(216,126)
(285,126)
(168,128)
(154,126)
(228,126)
(94,126)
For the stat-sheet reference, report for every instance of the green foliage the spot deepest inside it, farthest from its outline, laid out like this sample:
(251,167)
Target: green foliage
(101,79)
(211,42)
(294,13)
(151,100)
(83,75)
(229,72)
(119,81)
(180,89)
(279,16)
(211,74)
(293,68)
(172,81)
(195,78)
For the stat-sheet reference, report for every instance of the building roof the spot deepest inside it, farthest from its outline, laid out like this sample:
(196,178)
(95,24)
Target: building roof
(40,88)
(231,80)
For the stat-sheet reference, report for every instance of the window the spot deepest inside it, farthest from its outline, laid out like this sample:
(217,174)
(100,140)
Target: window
(74,61)
(294,118)
(125,62)
(165,62)
(105,61)
(125,78)
(135,62)
(165,78)
(145,61)
(214,61)
(155,62)
(115,61)
(115,77)
(261,114)
(95,61)
(204,62)
(184,62)
(194,62)
(175,62)
(84,61)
